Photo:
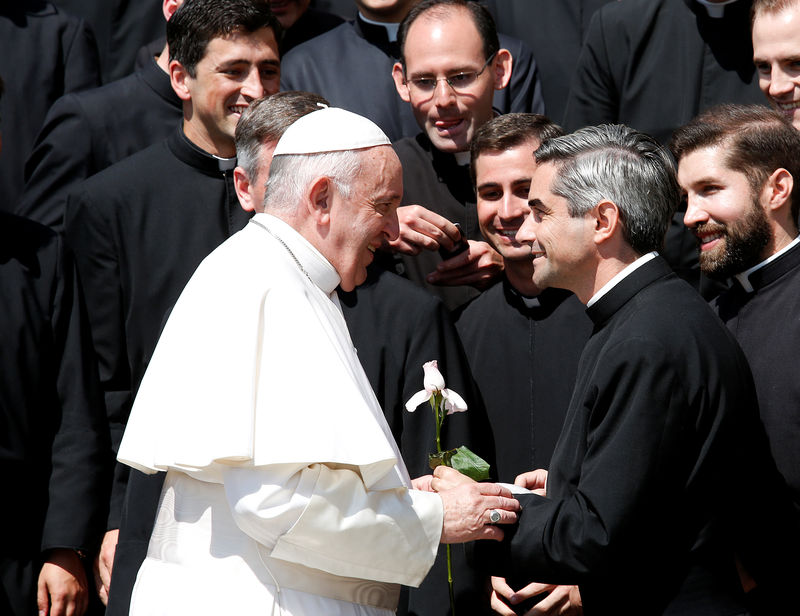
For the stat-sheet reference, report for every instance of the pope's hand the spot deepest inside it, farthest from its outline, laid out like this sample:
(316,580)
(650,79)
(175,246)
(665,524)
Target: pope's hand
(469,507)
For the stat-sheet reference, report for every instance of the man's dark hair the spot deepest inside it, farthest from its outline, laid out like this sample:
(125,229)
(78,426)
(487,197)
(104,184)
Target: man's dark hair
(509,131)
(756,141)
(439,8)
(265,120)
(196,22)
(616,163)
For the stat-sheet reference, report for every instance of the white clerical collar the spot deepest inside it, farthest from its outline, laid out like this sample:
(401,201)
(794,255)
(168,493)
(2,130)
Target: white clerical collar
(716,10)
(309,259)
(391,29)
(621,275)
(462,158)
(744,277)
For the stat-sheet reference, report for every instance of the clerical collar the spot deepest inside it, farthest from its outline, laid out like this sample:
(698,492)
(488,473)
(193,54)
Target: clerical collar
(744,277)
(218,163)
(462,158)
(621,276)
(715,10)
(310,260)
(391,29)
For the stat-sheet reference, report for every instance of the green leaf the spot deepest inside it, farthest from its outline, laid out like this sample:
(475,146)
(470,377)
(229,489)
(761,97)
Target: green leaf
(469,464)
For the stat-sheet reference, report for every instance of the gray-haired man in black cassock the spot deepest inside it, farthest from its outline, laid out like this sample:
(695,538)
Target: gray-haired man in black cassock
(140,228)
(740,171)
(661,441)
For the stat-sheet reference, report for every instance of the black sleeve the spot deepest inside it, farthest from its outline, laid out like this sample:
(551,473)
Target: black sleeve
(78,486)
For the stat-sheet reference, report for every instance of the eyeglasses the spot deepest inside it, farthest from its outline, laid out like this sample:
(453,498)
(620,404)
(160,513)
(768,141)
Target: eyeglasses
(460,82)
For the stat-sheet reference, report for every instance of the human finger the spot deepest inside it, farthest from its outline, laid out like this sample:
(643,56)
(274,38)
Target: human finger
(499,606)
(532,480)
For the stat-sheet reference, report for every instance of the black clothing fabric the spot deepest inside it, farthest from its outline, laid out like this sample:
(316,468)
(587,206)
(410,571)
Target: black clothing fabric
(121,28)
(54,445)
(554,31)
(396,327)
(43,55)
(88,132)
(766,323)
(656,64)
(139,229)
(524,360)
(358,77)
(645,484)
(434,180)
(312,23)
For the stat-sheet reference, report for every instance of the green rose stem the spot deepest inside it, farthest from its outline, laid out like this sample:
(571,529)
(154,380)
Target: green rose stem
(438,413)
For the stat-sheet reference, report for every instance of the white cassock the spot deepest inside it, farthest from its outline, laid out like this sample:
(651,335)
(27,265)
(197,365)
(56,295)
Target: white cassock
(285,491)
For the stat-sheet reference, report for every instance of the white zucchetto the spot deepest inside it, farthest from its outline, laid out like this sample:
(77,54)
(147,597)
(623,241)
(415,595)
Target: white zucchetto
(330,130)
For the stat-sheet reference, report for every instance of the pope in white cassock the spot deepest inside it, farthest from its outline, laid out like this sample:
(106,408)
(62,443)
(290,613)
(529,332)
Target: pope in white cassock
(285,491)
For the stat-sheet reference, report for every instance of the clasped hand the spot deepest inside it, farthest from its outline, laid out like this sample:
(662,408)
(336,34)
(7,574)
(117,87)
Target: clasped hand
(468,506)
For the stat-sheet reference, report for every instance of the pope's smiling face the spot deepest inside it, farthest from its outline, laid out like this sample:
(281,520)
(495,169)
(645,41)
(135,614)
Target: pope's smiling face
(234,71)
(723,212)
(439,46)
(362,222)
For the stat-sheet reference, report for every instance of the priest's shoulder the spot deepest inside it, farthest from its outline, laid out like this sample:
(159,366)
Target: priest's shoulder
(385,288)
(417,149)
(479,306)
(319,48)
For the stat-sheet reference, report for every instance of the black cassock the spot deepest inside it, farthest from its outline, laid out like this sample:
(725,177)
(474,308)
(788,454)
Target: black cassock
(54,446)
(655,64)
(766,322)
(87,132)
(434,180)
(44,54)
(554,30)
(524,357)
(312,23)
(396,327)
(351,66)
(646,491)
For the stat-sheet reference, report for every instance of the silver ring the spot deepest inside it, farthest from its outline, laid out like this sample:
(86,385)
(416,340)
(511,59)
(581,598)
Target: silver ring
(494,516)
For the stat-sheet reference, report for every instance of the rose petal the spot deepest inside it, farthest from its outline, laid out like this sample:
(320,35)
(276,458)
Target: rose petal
(453,402)
(417,399)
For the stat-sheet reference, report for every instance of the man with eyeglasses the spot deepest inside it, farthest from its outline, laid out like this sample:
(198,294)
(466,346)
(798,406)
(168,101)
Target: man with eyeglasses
(451,64)
(358,76)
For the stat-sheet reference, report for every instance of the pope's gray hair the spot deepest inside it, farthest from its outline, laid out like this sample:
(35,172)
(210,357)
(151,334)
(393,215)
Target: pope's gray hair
(291,174)
(618,164)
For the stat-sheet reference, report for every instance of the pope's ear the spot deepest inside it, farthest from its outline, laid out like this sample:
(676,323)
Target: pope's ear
(179,78)
(606,220)
(168,7)
(400,82)
(318,200)
(242,185)
(503,64)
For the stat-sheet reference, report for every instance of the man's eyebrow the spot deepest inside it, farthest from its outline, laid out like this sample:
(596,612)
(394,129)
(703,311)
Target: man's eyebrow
(235,61)
(488,185)
(535,203)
